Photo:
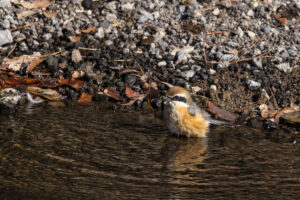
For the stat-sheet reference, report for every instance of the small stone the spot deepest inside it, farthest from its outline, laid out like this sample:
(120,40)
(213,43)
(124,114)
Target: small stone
(240,32)
(127,6)
(10,97)
(23,46)
(212,71)
(108,42)
(6,24)
(146,14)
(162,64)
(253,85)
(188,74)
(47,36)
(196,89)
(258,62)
(100,33)
(111,17)
(285,67)
(216,12)
(251,34)
(5,4)
(213,87)
(250,13)
(293,52)
(266,29)
(5,37)
(111,5)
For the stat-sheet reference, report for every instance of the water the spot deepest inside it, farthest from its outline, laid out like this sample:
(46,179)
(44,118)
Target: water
(91,152)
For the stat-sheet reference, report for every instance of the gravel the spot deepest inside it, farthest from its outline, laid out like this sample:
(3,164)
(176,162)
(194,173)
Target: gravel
(237,47)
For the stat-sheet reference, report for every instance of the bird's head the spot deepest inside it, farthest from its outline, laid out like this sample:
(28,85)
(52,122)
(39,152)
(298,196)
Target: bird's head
(178,96)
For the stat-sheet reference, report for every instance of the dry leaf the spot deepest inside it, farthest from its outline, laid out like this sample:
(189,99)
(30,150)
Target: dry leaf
(26,13)
(282,112)
(49,94)
(15,63)
(282,20)
(131,94)
(49,15)
(77,74)
(221,113)
(74,38)
(33,65)
(76,84)
(293,117)
(34,4)
(130,103)
(267,113)
(89,30)
(113,94)
(85,98)
(76,56)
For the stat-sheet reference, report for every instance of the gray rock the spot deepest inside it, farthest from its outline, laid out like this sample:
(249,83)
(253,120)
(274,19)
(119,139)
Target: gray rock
(5,37)
(111,17)
(47,36)
(5,4)
(162,63)
(127,6)
(232,44)
(285,67)
(6,24)
(23,46)
(100,33)
(250,13)
(10,97)
(145,16)
(188,74)
(111,5)
(258,62)
(293,52)
(266,29)
(253,85)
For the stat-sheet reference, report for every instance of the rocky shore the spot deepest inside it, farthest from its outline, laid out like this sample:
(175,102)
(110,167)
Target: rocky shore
(243,55)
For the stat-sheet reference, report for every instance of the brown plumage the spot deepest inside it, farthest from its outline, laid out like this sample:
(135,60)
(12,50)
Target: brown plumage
(183,117)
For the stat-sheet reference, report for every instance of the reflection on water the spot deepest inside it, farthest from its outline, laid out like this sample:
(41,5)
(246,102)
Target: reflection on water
(89,152)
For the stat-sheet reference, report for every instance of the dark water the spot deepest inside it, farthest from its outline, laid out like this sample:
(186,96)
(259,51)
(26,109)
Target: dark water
(88,152)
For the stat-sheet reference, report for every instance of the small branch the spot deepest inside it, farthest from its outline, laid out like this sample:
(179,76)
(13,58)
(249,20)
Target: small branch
(12,50)
(247,59)
(89,49)
(274,98)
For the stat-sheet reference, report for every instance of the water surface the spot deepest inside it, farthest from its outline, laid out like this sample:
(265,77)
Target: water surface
(92,152)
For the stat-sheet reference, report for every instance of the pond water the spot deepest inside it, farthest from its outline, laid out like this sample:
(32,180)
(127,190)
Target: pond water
(92,152)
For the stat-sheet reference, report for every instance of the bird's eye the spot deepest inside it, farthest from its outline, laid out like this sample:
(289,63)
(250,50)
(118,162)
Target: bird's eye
(179,98)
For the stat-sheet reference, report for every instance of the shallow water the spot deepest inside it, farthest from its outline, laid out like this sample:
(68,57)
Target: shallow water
(91,152)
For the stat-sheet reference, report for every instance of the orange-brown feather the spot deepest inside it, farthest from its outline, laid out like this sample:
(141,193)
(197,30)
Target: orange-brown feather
(190,126)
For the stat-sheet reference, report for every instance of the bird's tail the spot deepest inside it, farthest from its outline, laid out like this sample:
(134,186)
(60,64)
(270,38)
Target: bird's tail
(217,122)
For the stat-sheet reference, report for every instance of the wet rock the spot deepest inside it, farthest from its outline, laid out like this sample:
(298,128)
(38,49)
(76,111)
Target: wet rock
(10,97)
(5,37)
(253,85)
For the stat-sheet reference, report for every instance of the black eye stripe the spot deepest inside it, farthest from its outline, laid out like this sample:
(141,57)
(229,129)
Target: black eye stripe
(179,98)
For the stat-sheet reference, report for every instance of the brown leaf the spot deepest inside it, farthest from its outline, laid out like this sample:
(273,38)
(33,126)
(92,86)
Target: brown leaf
(76,84)
(77,74)
(89,30)
(30,81)
(293,117)
(282,112)
(26,13)
(49,15)
(76,56)
(33,65)
(221,113)
(113,94)
(15,63)
(85,98)
(74,38)
(49,94)
(131,94)
(267,113)
(282,20)
(13,81)
(34,4)
(130,103)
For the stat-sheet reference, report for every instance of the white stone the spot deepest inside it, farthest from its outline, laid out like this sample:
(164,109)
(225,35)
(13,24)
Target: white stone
(250,13)
(111,17)
(213,87)
(5,37)
(127,6)
(100,33)
(285,67)
(251,34)
(216,12)
(212,71)
(5,4)
(162,63)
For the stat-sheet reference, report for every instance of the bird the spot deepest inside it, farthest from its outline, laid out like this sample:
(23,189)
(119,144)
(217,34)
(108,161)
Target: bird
(183,116)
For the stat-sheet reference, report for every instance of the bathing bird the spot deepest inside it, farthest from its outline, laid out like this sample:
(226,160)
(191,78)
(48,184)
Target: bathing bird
(183,116)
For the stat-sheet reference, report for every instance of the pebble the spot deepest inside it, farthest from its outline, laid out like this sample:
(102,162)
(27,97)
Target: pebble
(285,67)
(240,32)
(250,13)
(10,97)
(212,71)
(162,64)
(111,17)
(188,74)
(47,36)
(127,6)
(253,85)
(5,4)
(213,87)
(216,12)
(100,33)
(258,62)
(5,37)
(196,89)
(251,34)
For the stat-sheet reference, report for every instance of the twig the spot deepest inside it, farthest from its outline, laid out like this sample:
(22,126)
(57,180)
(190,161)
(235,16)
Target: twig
(247,59)
(24,26)
(212,33)
(204,54)
(51,54)
(122,60)
(89,49)
(253,44)
(12,50)
(274,98)
(249,105)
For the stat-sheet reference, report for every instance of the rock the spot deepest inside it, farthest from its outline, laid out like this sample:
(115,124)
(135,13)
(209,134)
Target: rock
(188,74)
(250,13)
(162,64)
(47,36)
(213,87)
(111,5)
(10,97)
(5,4)
(111,17)
(127,6)
(216,12)
(145,16)
(5,37)
(212,71)
(251,34)
(253,85)
(258,62)
(100,33)
(285,67)
(240,32)
(130,79)
(196,89)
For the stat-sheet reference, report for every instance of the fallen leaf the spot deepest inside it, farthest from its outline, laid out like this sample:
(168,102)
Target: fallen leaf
(33,65)
(34,4)
(76,84)
(89,30)
(292,117)
(76,56)
(130,103)
(221,113)
(49,94)
(113,94)
(77,74)
(15,63)
(282,112)
(74,38)
(282,20)
(13,81)
(30,81)
(26,13)
(85,98)
(267,113)
(131,94)
(49,15)
(126,71)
